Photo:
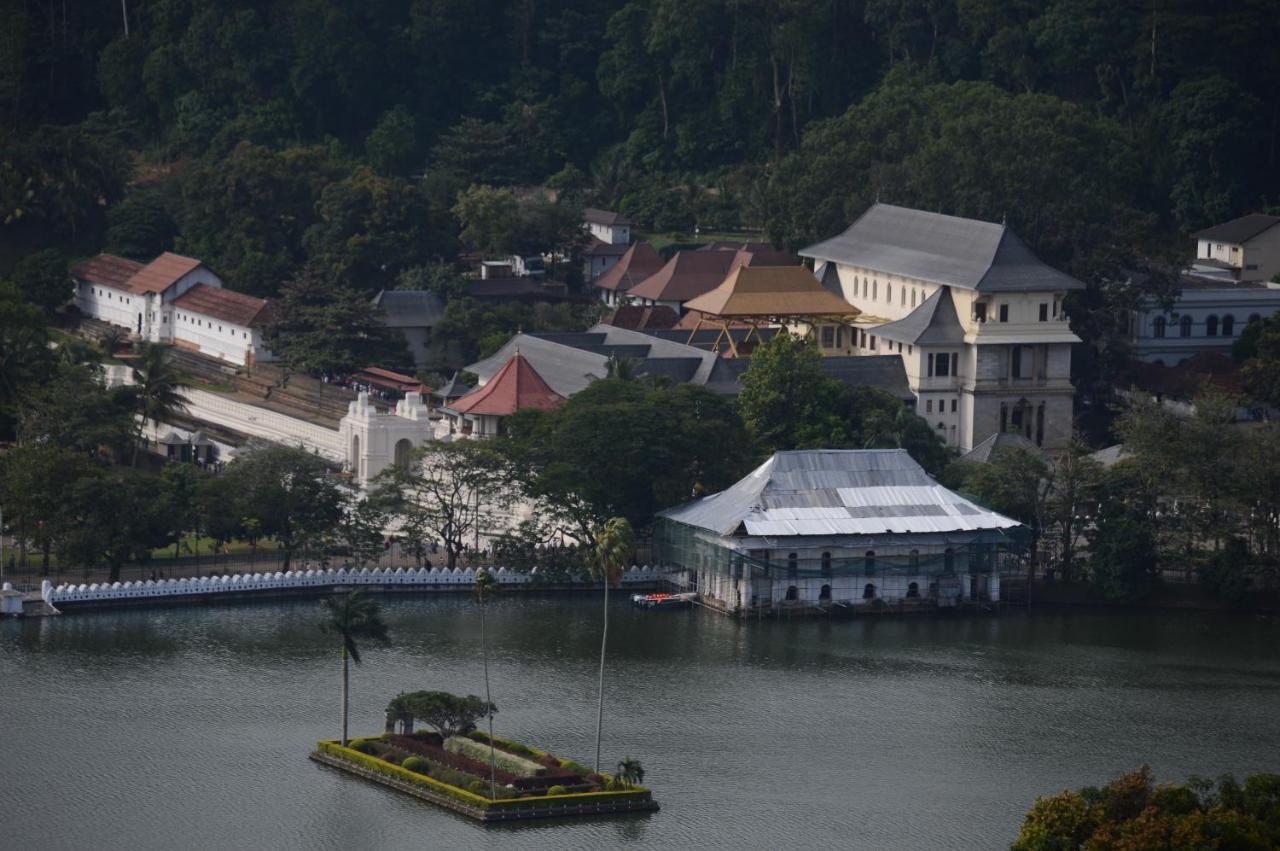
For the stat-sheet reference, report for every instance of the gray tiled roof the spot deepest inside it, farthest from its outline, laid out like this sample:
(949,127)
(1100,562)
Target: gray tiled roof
(884,371)
(830,492)
(989,448)
(933,323)
(941,249)
(409,308)
(1239,230)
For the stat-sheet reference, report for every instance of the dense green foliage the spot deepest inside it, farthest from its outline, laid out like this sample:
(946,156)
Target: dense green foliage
(268,135)
(1133,812)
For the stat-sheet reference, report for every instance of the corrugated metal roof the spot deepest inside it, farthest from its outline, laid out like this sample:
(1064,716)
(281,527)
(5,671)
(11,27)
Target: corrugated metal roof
(837,492)
(409,308)
(949,250)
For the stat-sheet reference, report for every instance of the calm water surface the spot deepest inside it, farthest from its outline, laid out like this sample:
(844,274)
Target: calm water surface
(189,728)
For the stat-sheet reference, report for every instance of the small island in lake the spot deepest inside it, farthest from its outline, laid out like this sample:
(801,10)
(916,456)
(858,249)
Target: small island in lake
(486,778)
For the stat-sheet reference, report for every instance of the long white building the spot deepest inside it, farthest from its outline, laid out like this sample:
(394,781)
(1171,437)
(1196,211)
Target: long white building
(976,317)
(176,300)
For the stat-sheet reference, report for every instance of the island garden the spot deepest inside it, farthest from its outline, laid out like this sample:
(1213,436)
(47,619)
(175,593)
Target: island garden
(457,766)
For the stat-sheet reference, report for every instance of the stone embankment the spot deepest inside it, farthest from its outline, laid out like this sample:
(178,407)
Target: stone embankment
(305,582)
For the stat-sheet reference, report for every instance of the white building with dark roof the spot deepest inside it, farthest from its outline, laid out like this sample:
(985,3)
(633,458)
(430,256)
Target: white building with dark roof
(837,528)
(176,300)
(413,314)
(1227,286)
(975,316)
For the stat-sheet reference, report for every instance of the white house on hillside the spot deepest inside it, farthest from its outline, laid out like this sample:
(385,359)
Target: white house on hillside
(173,299)
(1243,249)
(610,237)
(976,317)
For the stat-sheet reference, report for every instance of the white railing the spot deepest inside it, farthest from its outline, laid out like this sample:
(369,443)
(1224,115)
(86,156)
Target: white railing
(318,579)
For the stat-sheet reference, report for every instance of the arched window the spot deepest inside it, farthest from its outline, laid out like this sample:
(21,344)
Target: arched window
(913,590)
(1184,326)
(826,564)
(1228,325)
(403,452)
(793,593)
(888,293)
(869,563)
(949,560)
(824,593)
(902,297)
(868,592)
(1158,326)
(793,562)
(1211,326)
(915,559)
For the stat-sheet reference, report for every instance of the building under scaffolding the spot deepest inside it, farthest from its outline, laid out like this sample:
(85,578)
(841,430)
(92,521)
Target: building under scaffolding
(838,528)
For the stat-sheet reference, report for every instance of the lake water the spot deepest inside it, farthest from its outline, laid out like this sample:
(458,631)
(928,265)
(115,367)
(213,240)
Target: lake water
(189,728)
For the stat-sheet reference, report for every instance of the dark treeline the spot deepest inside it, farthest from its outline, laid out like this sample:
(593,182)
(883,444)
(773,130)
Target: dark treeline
(261,136)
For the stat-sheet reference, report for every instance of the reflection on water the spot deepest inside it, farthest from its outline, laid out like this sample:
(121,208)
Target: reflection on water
(167,728)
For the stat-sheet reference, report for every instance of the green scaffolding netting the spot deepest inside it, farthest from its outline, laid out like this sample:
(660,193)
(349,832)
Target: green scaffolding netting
(690,548)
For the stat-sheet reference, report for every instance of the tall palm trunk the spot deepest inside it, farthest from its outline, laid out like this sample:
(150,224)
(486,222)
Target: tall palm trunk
(604,640)
(346,677)
(493,757)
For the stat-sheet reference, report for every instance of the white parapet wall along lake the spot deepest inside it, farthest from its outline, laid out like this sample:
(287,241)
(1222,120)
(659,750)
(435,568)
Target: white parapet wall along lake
(312,580)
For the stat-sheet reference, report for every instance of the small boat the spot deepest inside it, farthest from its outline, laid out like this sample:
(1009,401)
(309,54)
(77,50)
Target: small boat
(664,601)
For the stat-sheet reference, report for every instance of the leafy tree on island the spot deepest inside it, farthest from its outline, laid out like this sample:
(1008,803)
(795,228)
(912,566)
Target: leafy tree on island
(448,714)
(614,545)
(353,617)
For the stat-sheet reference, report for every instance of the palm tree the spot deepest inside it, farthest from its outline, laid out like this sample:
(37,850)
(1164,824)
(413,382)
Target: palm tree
(485,588)
(620,367)
(630,772)
(156,388)
(110,340)
(352,615)
(614,544)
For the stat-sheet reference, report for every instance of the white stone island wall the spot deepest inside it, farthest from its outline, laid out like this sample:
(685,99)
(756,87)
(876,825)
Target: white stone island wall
(302,580)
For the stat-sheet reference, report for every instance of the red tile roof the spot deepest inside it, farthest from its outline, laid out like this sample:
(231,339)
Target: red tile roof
(514,387)
(599,248)
(107,270)
(162,273)
(236,308)
(638,263)
(687,275)
(385,378)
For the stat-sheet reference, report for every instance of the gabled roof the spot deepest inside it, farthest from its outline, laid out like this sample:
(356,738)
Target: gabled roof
(236,308)
(599,248)
(764,256)
(107,270)
(409,308)
(636,317)
(639,262)
(933,323)
(765,291)
(948,250)
(687,275)
(604,217)
(514,387)
(1241,230)
(162,273)
(827,492)
(454,388)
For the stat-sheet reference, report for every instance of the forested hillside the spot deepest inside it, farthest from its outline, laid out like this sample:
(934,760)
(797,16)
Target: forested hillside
(259,136)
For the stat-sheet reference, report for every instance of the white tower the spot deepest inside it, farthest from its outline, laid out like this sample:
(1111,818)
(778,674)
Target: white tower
(375,441)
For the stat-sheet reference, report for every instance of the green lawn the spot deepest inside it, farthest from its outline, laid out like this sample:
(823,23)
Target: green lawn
(660,241)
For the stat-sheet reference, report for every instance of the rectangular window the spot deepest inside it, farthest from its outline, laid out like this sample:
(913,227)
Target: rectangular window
(828,337)
(928,407)
(953,406)
(930,359)
(1044,312)
(873,342)
(980,311)
(942,362)
(1004,313)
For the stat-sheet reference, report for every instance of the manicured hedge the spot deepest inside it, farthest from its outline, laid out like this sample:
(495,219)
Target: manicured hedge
(471,749)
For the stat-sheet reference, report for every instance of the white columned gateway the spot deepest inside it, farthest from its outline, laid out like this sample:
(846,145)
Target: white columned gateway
(374,441)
